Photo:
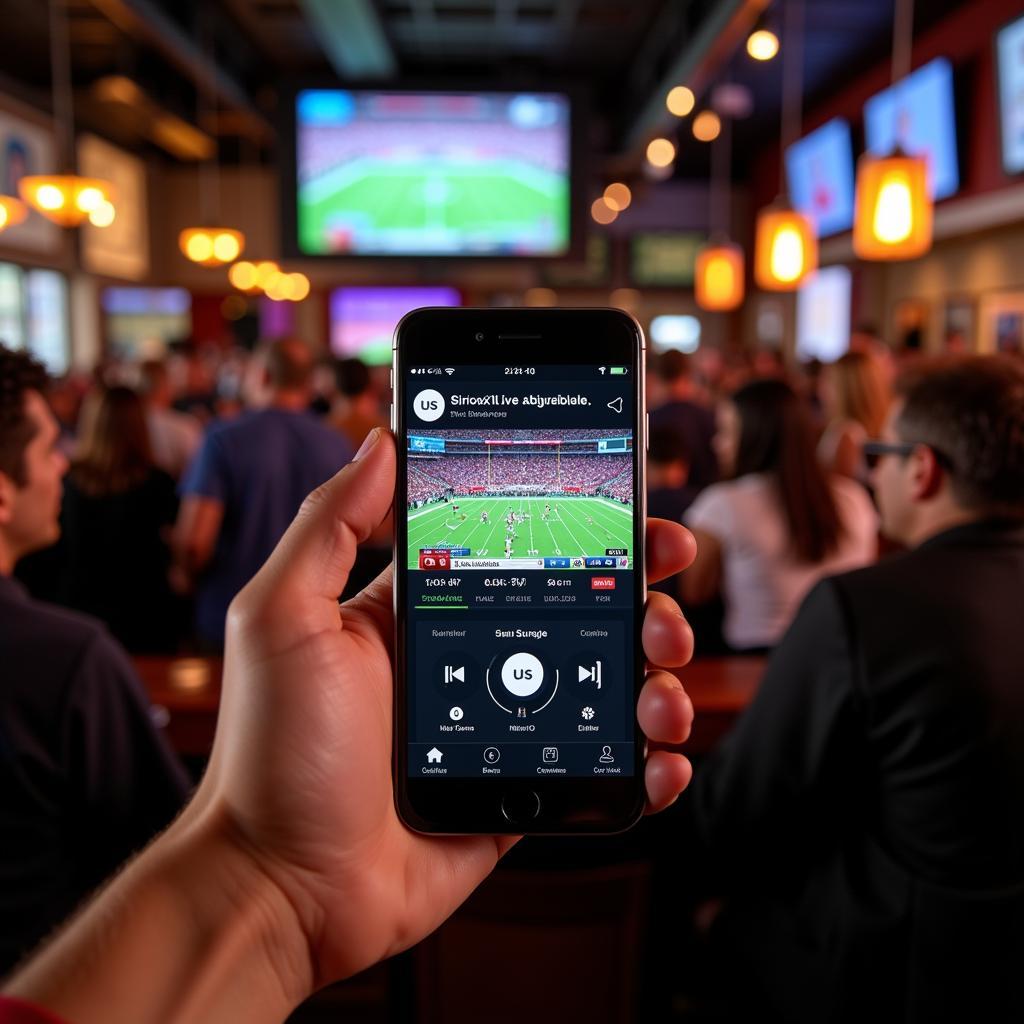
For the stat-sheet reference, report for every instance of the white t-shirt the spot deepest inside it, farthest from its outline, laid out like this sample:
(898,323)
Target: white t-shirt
(762,582)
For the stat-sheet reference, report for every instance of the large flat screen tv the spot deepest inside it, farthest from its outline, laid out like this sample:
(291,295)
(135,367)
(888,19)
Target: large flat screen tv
(819,169)
(1010,70)
(918,113)
(363,320)
(431,174)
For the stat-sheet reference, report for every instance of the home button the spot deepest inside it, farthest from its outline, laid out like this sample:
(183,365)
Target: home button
(520,807)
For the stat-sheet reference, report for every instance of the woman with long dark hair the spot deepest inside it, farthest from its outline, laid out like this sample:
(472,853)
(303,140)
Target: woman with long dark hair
(118,509)
(777,523)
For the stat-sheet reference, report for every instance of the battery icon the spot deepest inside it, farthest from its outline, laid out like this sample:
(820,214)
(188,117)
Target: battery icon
(618,371)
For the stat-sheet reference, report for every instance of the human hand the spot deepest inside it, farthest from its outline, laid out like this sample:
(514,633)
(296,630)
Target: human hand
(300,776)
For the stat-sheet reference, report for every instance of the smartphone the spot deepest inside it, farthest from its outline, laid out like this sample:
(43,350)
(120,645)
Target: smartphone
(519,570)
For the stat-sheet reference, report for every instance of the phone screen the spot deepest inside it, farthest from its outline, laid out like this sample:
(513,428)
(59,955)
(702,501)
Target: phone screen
(519,535)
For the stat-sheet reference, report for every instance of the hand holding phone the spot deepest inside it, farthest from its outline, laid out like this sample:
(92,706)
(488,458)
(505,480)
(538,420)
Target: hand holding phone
(290,859)
(520,513)
(302,759)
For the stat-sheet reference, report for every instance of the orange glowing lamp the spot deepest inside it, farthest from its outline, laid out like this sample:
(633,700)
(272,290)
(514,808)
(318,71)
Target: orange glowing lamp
(718,277)
(12,211)
(66,199)
(785,249)
(894,211)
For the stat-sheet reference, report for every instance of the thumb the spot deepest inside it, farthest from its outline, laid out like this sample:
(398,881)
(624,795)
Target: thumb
(307,571)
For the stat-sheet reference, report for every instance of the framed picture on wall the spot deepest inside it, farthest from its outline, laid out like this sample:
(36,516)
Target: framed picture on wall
(26,147)
(959,325)
(910,325)
(1001,322)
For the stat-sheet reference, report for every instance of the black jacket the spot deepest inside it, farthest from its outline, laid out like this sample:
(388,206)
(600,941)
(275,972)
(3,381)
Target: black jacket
(85,777)
(865,819)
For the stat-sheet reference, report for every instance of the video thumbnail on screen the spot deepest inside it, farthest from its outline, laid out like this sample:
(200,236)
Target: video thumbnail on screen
(520,499)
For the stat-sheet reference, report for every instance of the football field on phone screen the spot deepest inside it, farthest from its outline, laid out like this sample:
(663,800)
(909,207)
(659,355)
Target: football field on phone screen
(575,527)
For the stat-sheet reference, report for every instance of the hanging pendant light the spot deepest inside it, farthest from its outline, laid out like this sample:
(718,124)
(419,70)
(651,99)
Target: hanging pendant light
(211,246)
(785,240)
(207,243)
(893,208)
(12,211)
(785,249)
(66,199)
(718,277)
(718,284)
(893,211)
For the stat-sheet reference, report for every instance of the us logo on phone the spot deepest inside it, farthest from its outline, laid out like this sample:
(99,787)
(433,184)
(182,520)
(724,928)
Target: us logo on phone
(429,405)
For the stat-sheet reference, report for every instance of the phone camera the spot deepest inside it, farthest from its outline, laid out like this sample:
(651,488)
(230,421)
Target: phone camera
(479,335)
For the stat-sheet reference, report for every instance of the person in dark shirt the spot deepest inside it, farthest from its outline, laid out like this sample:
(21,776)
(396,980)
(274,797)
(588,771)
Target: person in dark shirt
(684,415)
(863,820)
(669,492)
(247,482)
(85,777)
(115,524)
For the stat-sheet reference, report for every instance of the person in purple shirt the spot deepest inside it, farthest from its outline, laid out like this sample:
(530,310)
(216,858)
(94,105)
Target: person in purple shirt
(247,482)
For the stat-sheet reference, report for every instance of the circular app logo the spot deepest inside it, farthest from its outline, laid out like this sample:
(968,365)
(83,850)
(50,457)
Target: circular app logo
(522,674)
(429,405)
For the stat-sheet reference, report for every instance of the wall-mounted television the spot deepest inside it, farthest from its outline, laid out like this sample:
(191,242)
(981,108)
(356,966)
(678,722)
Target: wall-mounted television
(664,259)
(1010,72)
(918,113)
(363,320)
(819,169)
(387,173)
(823,315)
(140,322)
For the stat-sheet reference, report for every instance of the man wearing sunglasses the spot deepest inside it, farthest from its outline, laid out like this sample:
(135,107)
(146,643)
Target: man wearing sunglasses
(864,820)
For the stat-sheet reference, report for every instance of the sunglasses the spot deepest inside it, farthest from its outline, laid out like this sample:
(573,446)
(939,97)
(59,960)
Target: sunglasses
(874,450)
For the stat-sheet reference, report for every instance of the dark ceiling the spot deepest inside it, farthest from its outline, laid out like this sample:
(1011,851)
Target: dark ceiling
(219,64)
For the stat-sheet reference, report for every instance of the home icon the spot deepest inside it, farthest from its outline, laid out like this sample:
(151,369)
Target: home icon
(434,756)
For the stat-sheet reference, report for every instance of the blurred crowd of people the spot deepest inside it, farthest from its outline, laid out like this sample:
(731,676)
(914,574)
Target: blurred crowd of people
(855,830)
(184,472)
(765,464)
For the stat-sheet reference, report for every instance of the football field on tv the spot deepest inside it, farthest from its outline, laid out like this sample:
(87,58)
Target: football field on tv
(576,527)
(408,209)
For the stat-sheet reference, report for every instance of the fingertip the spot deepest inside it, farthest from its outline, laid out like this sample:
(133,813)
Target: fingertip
(665,711)
(667,636)
(666,776)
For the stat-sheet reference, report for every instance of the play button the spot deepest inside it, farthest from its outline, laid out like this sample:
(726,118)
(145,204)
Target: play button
(522,674)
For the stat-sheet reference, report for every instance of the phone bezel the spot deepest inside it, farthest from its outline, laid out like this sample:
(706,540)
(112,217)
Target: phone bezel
(569,805)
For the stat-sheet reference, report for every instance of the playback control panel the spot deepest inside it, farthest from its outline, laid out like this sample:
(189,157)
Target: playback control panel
(493,697)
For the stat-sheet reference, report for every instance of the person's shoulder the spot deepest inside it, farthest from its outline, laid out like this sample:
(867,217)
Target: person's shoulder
(881,580)
(852,493)
(326,434)
(50,640)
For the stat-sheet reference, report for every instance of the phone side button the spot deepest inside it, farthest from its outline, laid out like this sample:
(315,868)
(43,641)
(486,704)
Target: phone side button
(647,431)
(391,416)
(520,808)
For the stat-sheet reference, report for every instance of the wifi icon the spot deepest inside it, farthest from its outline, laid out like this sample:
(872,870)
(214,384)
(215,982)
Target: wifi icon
(449,370)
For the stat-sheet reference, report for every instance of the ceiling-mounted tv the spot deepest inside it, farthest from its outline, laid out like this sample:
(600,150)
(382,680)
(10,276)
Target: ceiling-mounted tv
(415,174)
(918,113)
(819,169)
(1010,69)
